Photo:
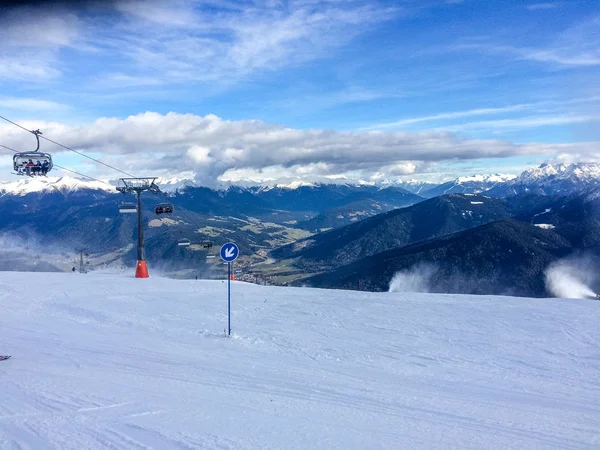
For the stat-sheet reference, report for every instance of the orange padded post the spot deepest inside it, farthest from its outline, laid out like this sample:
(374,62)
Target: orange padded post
(141,270)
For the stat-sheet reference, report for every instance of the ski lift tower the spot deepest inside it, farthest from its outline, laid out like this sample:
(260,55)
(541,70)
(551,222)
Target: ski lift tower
(82,252)
(137,186)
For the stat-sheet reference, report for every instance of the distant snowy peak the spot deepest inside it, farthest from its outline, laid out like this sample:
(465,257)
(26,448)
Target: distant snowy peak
(296,184)
(415,186)
(410,186)
(541,173)
(265,187)
(169,185)
(580,172)
(495,178)
(65,185)
(469,185)
(555,179)
(413,182)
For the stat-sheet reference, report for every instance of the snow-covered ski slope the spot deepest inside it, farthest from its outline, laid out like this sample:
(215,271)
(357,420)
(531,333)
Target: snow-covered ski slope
(109,361)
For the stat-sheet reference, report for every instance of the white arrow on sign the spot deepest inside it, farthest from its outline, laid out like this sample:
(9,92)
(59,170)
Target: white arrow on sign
(229,252)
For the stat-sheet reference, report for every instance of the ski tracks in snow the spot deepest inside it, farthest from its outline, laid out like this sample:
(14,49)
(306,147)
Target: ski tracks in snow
(109,364)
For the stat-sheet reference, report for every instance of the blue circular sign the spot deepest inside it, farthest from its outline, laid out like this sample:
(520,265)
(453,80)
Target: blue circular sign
(229,252)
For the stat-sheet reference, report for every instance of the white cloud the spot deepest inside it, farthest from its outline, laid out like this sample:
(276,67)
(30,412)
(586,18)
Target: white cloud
(23,69)
(200,155)
(300,102)
(222,43)
(31,39)
(577,46)
(30,104)
(521,123)
(151,42)
(27,27)
(550,112)
(450,115)
(543,6)
(125,81)
(213,148)
(174,13)
(563,56)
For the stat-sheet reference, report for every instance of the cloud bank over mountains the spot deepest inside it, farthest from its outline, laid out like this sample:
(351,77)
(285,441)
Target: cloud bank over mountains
(215,149)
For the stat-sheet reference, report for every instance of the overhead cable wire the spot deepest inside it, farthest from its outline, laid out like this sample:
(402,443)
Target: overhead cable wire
(64,168)
(69,148)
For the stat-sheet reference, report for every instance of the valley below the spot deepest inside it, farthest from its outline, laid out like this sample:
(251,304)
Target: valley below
(495,235)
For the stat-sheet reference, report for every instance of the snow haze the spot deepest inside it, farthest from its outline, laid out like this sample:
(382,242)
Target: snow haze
(572,277)
(416,279)
(108,361)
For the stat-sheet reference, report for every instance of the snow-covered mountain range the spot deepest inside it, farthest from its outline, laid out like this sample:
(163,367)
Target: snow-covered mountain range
(416,186)
(555,179)
(468,185)
(68,185)
(546,172)
(69,212)
(171,185)
(65,185)
(545,179)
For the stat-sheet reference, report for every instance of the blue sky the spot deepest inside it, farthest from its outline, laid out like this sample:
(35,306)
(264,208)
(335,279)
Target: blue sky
(287,89)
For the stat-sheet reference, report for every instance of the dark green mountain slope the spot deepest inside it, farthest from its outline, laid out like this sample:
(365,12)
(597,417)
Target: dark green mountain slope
(503,257)
(430,218)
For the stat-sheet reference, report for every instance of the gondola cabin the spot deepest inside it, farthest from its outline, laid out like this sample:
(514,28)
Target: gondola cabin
(183,242)
(32,163)
(163,208)
(127,208)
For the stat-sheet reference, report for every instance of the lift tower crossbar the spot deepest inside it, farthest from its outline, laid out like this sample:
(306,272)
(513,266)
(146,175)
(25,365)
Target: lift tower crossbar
(137,186)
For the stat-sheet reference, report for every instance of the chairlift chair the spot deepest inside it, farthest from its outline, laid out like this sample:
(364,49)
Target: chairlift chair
(163,208)
(32,163)
(127,208)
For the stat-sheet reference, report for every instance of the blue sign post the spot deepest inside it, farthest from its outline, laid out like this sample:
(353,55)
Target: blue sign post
(229,253)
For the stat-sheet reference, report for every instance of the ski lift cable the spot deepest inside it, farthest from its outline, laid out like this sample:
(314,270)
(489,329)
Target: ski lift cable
(63,168)
(69,148)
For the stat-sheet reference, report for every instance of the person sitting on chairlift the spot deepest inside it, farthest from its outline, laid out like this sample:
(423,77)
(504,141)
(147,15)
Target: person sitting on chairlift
(45,166)
(28,167)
